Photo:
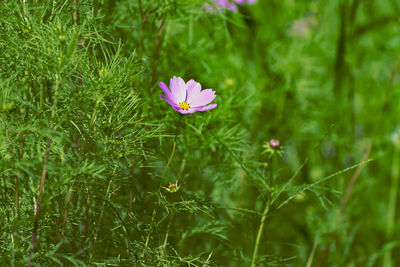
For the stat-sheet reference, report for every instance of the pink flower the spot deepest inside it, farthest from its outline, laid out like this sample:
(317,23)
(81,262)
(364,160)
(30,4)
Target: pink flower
(227,4)
(245,1)
(221,3)
(187,97)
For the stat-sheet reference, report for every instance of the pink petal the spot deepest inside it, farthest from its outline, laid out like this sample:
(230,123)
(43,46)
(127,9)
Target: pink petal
(202,99)
(226,4)
(169,101)
(178,89)
(197,109)
(193,90)
(165,89)
(188,111)
(208,107)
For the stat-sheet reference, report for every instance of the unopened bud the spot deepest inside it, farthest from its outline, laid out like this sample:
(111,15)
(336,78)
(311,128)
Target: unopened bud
(172,186)
(275,144)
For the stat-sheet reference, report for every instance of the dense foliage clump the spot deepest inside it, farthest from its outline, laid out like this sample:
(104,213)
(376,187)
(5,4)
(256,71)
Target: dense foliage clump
(297,165)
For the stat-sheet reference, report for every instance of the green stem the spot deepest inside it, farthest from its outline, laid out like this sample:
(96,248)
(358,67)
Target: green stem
(391,212)
(173,147)
(108,198)
(68,201)
(166,235)
(165,171)
(148,236)
(260,230)
(44,175)
(170,159)
(264,216)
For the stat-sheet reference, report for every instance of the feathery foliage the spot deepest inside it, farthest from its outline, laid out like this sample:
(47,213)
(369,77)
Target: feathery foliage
(87,177)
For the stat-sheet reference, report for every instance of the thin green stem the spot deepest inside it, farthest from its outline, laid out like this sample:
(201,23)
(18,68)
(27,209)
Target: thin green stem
(68,201)
(391,210)
(264,216)
(84,222)
(170,159)
(148,235)
(108,197)
(157,50)
(167,234)
(44,175)
(165,171)
(260,231)
(173,147)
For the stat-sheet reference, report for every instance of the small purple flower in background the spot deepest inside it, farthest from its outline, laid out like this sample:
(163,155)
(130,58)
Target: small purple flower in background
(303,26)
(187,97)
(227,4)
(245,1)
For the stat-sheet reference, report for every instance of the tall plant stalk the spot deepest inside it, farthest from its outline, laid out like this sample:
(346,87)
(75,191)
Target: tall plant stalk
(67,203)
(260,231)
(263,217)
(84,222)
(76,17)
(157,50)
(392,202)
(163,175)
(44,174)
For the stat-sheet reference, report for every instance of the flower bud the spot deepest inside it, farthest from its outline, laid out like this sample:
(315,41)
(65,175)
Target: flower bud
(274,144)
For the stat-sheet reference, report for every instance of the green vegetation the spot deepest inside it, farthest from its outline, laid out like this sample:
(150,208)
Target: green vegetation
(97,170)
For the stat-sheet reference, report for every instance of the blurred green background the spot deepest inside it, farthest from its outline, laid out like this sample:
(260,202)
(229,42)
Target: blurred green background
(80,103)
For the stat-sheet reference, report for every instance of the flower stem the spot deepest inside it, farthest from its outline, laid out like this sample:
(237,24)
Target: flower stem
(166,235)
(173,147)
(264,216)
(165,171)
(260,230)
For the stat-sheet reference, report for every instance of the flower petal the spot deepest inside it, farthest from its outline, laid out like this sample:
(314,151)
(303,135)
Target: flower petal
(169,101)
(202,99)
(226,4)
(188,111)
(208,107)
(193,90)
(178,89)
(165,89)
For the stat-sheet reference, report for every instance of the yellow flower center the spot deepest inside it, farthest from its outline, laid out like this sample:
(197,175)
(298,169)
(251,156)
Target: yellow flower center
(184,105)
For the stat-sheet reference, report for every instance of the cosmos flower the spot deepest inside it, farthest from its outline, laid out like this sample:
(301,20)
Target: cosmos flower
(187,97)
(227,4)
(245,1)
(303,26)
